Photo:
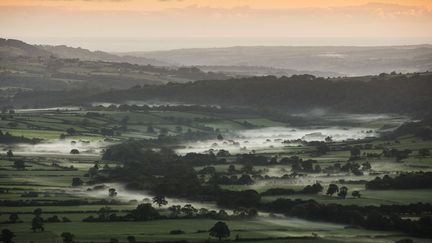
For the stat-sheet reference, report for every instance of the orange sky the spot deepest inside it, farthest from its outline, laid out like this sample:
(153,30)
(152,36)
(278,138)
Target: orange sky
(291,22)
(154,5)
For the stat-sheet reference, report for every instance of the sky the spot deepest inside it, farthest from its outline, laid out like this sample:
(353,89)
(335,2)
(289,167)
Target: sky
(140,25)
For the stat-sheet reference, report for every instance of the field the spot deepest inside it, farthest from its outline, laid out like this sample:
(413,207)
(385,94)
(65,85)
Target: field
(45,181)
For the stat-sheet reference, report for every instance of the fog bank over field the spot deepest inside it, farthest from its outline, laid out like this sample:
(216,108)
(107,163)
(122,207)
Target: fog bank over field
(274,137)
(61,147)
(125,195)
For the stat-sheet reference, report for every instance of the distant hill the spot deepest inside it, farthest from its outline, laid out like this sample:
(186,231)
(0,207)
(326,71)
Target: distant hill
(245,71)
(15,48)
(61,68)
(405,93)
(390,93)
(345,60)
(63,51)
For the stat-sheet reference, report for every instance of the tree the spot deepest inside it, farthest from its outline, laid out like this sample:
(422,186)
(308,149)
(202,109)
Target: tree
(19,164)
(37,224)
(219,137)
(37,212)
(114,240)
(355,152)
(160,200)
(248,168)
(76,181)
(13,217)
(189,210)
(144,211)
(343,191)
(112,192)
(232,169)
(366,166)
(7,236)
(245,180)
(9,153)
(175,210)
(74,151)
(67,237)
(219,230)
(356,194)
(131,239)
(332,189)
(104,213)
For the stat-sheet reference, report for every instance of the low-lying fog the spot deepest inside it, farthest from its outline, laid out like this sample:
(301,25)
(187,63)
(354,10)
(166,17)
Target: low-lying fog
(150,103)
(139,196)
(59,108)
(274,137)
(61,147)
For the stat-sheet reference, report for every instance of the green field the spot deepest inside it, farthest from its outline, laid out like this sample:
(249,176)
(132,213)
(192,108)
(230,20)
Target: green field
(49,172)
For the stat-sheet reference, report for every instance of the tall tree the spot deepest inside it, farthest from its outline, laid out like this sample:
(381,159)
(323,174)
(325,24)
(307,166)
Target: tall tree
(219,230)
(7,236)
(67,237)
(332,189)
(343,192)
(160,200)
(131,239)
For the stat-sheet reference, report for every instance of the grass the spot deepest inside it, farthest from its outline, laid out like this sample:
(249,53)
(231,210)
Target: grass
(54,184)
(195,229)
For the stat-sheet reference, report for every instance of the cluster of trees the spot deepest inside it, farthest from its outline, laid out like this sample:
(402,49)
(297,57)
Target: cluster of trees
(217,179)
(56,219)
(146,212)
(142,212)
(371,217)
(398,93)
(169,174)
(306,166)
(309,189)
(7,138)
(341,192)
(163,171)
(411,180)
(396,153)
(352,167)
(297,164)
(252,159)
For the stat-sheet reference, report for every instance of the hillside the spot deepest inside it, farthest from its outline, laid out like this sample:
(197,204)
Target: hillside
(60,68)
(63,51)
(390,93)
(410,93)
(15,48)
(346,60)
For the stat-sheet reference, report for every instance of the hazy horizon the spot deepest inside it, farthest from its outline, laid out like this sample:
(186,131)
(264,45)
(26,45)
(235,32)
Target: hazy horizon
(132,25)
(124,45)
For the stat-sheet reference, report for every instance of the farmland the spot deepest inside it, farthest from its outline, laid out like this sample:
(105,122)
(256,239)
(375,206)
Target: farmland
(49,168)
